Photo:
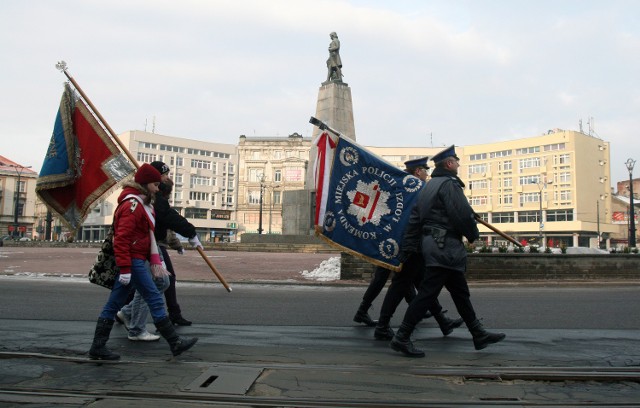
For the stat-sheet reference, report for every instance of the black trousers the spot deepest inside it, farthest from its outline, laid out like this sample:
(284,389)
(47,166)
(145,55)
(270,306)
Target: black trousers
(379,279)
(435,278)
(403,286)
(170,294)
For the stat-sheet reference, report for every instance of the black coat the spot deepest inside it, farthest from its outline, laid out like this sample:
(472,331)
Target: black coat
(168,218)
(441,204)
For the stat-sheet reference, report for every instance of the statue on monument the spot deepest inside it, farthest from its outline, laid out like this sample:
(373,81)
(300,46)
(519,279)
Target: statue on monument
(334,63)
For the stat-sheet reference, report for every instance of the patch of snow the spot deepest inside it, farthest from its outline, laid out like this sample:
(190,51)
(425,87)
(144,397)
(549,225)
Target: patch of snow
(329,270)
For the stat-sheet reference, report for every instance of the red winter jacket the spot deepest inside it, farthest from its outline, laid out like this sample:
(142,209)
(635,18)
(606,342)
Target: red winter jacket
(131,225)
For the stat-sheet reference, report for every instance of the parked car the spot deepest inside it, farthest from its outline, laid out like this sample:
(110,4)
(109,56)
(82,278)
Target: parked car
(5,238)
(24,239)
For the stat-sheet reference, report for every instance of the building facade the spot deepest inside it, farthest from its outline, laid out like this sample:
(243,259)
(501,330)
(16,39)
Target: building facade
(17,196)
(268,168)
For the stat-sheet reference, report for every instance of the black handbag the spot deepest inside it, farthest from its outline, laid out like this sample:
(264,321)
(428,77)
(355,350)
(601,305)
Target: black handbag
(104,270)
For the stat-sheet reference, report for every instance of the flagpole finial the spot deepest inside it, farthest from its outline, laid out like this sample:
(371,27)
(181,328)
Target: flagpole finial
(61,66)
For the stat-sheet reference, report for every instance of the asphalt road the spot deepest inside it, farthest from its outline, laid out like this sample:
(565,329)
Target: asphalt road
(598,306)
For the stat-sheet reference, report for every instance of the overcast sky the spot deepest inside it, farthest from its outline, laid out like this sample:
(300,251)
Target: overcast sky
(421,72)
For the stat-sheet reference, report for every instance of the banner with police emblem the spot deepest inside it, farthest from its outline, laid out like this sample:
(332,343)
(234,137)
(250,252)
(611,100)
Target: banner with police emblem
(367,206)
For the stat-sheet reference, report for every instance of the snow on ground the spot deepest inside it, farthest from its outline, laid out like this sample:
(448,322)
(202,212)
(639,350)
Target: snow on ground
(329,270)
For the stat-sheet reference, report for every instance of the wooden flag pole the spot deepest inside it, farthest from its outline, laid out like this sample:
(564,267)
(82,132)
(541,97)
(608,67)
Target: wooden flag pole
(62,66)
(215,271)
(497,231)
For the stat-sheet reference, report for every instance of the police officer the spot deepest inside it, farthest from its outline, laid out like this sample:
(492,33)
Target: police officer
(409,278)
(418,168)
(441,217)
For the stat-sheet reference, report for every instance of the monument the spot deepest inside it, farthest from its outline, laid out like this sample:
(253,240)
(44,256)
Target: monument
(335,108)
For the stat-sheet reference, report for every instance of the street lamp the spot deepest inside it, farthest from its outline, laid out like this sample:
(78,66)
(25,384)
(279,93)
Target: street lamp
(632,221)
(261,195)
(541,186)
(19,169)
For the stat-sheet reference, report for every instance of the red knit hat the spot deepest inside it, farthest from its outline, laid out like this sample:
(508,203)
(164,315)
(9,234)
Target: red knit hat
(147,174)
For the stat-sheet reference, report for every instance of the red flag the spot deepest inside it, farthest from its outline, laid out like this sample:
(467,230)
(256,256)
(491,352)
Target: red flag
(82,163)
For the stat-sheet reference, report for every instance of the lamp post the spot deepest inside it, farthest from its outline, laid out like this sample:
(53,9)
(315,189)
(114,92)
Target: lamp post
(19,169)
(261,195)
(541,186)
(632,222)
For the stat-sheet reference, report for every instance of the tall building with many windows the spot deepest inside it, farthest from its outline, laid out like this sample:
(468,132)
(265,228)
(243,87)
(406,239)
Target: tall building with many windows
(17,200)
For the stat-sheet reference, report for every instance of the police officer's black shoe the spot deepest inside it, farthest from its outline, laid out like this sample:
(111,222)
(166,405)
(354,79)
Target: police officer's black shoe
(362,316)
(481,337)
(447,325)
(383,332)
(402,342)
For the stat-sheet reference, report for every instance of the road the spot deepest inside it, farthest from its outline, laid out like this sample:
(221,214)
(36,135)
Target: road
(506,307)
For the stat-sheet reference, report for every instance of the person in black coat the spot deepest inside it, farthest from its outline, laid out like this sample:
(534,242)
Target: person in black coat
(168,218)
(439,220)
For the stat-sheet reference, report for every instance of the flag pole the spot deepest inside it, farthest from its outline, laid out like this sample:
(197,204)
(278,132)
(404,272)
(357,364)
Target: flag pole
(62,66)
(497,231)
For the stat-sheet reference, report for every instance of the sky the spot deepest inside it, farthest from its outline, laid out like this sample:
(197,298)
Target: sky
(421,73)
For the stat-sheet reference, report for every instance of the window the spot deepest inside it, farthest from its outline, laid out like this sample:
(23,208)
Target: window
(502,153)
(559,215)
(478,184)
(200,181)
(277,197)
(230,168)
(524,180)
(562,195)
(564,177)
(176,161)
(197,213)
(255,175)
(277,176)
(214,199)
(200,164)
(255,155)
(528,163)
(147,157)
(505,199)
(169,148)
(229,200)
(529,198)
(214,167)
(477,169)
(562,159)
(479,200)
(147,145)
(502,217)
(254,197)
(199,196)
(230,184)
(505,165)
(555,146)
(529,216)
(528,150)
(277,155)
(177,178)
(508,182)
(478,156)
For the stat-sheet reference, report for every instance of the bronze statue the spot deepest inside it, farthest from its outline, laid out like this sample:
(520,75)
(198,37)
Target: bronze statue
(334,63)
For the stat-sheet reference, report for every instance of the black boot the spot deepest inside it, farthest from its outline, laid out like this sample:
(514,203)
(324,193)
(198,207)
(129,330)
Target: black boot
(180,321)
(362,316)
(481,337)
(447,325)
(178,344)
(402,342)
(383,331)
(99,350)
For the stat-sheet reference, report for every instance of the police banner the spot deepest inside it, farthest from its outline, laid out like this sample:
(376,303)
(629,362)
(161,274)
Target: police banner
(367,204)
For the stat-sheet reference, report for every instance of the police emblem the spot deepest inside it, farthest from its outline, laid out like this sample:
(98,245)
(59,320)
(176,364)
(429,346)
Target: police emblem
(349,156)
(368,202)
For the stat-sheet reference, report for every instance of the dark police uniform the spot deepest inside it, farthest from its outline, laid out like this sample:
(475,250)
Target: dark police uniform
(441,217)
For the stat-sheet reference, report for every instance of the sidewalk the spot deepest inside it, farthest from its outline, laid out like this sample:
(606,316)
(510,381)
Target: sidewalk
(318,366)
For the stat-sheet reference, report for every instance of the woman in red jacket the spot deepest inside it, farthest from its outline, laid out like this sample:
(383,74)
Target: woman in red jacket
(133,240)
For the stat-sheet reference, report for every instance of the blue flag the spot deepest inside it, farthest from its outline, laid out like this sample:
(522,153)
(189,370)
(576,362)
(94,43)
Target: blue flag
(367,205)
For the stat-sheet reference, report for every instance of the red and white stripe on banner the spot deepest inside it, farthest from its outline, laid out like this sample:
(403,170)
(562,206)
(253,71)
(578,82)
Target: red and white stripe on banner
(322,170)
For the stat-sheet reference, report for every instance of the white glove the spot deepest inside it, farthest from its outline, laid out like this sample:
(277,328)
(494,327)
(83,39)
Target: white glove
(125,278)
(195,242)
